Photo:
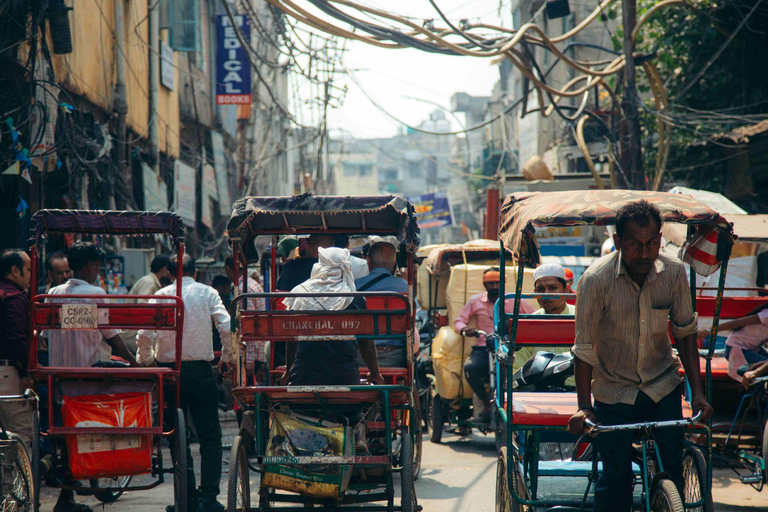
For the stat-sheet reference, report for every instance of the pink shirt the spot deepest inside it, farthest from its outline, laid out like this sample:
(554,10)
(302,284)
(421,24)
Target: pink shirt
(481,309)
(750,337)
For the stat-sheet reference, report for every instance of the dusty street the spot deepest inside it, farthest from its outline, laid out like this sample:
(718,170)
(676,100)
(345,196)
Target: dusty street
(458,475)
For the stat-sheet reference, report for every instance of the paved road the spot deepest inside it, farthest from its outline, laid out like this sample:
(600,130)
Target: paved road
(458,475)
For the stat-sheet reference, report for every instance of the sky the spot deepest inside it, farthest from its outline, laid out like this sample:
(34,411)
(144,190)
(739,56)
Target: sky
(393,77)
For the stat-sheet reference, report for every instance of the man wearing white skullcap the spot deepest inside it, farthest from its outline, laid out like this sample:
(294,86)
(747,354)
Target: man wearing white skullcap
(550,278)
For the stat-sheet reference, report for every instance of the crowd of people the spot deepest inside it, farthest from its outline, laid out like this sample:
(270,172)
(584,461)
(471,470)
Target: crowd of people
(624,302)
(318,264)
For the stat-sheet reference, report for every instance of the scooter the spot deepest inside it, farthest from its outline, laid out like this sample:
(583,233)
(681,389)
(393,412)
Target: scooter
(545,371)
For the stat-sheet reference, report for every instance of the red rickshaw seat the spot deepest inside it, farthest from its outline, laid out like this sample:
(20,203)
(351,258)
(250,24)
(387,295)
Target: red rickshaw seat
(719,368)
(552,409)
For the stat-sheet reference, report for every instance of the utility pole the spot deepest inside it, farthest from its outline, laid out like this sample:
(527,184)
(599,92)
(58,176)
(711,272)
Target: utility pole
(630,134)
(154,82)
(120,101)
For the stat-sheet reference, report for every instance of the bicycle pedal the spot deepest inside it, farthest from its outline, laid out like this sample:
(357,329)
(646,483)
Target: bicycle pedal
(750,479)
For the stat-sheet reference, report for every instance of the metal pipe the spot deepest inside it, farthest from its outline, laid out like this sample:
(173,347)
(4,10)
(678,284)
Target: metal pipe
(153,26)
(119,98)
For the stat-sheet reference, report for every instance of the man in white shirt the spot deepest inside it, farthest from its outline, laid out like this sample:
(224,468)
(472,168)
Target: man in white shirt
(158,277)
(82,348)
(203,309)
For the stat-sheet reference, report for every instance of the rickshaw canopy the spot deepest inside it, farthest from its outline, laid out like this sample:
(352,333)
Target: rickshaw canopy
(106,222)
(454,254)
(308,214)
(747,228)
(522,212)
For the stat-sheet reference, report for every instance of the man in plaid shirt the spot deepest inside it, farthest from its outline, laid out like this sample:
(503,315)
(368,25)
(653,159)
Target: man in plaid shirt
(255,354)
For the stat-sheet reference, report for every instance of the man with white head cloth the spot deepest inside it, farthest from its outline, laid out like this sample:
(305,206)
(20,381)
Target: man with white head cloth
(332,362)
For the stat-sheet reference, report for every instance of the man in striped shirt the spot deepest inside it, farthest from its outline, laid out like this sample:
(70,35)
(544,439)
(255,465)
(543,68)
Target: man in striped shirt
(623,354)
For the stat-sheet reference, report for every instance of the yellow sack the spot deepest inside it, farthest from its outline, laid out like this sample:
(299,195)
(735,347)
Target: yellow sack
(448,363)
(297,436)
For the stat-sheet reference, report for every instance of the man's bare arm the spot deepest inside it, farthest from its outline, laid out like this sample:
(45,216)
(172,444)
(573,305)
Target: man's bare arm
(120,350)
(371,359)
(689,356)
(583,376)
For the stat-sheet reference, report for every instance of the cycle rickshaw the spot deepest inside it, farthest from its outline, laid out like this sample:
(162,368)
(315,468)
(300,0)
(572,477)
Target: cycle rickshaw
(531,418)
(263,449)
(739,434)
(79,442)
(455,409)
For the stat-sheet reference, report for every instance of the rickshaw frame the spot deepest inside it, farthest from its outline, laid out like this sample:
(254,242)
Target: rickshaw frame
(167,316)
(526,253)
(318,214)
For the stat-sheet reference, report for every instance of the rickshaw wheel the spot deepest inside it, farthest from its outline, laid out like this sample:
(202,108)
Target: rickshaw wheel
(111,493)
(435,417)
(16,495)
(695,477)
(504,500)
(36,478)
(665,498)
(765,453)
(238,485)
(407,494)
(417,447)
(500,434)
(180,490)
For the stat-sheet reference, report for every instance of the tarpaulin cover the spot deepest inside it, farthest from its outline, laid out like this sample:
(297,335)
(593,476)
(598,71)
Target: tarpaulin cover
(296,436)
(522,212)
(106,222)
(104,455)
(305,214)
(748,228)
(461,253)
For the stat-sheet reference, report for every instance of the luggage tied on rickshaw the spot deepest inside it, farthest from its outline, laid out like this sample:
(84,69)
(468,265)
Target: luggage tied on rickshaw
(128,454)
(292,435)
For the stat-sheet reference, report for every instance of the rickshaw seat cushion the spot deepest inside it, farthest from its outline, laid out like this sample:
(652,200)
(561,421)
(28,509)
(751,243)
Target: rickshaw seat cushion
(719,368)
(391,375)
(119,373)
(311,394)
(552,409)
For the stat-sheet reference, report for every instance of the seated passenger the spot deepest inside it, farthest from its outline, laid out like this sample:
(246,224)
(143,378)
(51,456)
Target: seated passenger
(548,278)
(480,309)
(382,260)
(746,343)
(332,362)
(83,348)
(298,270)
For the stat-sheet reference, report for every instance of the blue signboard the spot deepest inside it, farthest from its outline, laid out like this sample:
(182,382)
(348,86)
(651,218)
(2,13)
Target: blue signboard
(233,69)
(432,210)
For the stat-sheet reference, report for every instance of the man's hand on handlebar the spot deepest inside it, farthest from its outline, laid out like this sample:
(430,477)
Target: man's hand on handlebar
(700,404)
(375,378)
(468,332)
(284,378)
(576,424)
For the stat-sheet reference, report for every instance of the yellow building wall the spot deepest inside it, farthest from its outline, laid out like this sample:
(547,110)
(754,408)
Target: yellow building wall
(89,70)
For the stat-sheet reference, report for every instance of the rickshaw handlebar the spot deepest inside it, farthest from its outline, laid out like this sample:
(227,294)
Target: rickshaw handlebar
(27,395)
(597,428)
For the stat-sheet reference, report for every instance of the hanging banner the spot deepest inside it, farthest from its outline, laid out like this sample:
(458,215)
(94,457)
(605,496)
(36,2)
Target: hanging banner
(209,193)
(222,174)
(185,183)
(155,191)
(432,210)
(233,69)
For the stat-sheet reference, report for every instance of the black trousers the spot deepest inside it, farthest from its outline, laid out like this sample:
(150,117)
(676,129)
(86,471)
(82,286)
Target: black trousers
(477,372)
(613,492)
(199,399)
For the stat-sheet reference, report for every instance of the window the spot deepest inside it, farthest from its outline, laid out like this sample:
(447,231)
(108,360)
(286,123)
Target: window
(366,169)
(349,170)
(181,18)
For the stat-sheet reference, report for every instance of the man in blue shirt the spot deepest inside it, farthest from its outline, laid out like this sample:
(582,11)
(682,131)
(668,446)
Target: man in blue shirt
(382,261)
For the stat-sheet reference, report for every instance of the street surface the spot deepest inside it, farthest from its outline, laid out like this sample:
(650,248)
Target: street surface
(458,475)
